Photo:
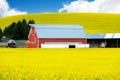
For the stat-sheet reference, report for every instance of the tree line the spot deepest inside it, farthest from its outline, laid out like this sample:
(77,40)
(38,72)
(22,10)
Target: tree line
(17,30)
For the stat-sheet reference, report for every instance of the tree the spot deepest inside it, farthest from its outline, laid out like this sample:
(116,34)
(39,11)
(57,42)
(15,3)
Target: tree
(5,31)
(24,22)
(13,25)
(19,30)
(8,31)
(1,33)
(16,32)
(11,30)
(31,22)
(25,28)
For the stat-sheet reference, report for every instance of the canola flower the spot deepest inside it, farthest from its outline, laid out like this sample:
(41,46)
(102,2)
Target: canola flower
(92,22)
(59,64)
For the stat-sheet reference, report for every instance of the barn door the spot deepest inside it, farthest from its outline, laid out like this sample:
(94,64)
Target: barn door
(71,46)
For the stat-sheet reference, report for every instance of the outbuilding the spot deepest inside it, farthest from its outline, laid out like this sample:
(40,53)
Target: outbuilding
(104,40)
(56,36)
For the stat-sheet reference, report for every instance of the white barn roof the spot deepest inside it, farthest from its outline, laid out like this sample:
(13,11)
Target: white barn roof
(95,36)
(117,35)
(68,31)
(59,31)
(103,36)
(109,35)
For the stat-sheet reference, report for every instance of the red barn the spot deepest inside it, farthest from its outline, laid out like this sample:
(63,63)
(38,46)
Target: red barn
(56,36)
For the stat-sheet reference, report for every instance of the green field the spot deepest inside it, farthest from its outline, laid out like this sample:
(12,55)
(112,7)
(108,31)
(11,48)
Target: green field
(92,22)
(59,64)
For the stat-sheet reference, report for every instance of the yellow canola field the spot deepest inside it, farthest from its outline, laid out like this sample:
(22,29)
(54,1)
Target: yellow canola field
(60,64)
(92,22)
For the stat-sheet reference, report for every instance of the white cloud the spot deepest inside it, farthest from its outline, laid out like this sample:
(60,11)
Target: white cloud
(5,9)
(112,6)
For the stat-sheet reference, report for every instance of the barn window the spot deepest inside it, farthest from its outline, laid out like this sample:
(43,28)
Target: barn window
(71,46)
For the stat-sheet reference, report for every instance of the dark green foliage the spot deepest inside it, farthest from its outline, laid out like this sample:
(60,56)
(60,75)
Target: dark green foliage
(24,22)
(26,28)
(1,33)
(31,22)
(19,30)
(9,31)
(5,31)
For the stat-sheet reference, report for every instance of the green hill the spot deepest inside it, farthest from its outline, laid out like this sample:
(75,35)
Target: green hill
(92,22)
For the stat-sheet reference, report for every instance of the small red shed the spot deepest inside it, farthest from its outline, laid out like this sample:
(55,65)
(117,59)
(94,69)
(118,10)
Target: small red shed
(56,36)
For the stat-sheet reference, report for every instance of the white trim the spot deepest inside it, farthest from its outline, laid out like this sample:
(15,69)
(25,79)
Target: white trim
(38,43)
(32,42)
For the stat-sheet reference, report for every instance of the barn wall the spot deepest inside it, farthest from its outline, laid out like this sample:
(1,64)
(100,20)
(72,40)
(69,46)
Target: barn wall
(64,45)
(42,41)
(33,41)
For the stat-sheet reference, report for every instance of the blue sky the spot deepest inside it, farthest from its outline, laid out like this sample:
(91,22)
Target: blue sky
(36,6)
(17,7)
